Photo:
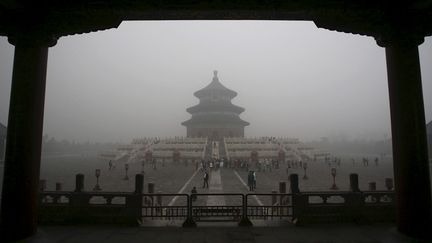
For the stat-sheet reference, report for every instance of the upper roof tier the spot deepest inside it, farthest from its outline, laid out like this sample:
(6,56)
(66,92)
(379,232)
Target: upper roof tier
(215,88)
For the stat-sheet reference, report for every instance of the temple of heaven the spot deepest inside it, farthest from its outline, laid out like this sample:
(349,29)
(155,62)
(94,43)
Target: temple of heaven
(215,116)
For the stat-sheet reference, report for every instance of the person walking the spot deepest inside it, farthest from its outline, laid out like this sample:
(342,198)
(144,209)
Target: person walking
(193,194)
(250,181)
(253,180)
(206,177)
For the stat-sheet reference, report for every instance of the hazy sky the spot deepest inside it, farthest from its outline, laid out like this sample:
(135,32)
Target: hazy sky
(292,78)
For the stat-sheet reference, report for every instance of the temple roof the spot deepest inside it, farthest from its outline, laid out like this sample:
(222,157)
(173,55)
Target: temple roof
(215,107)
(216,119)
(215,87)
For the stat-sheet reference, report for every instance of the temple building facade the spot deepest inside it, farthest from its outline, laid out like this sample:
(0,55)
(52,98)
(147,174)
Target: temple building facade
(215,116)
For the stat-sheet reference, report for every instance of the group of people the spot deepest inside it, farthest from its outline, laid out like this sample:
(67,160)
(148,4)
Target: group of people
(366,161)
(205,185)
(213,164)
(267,165)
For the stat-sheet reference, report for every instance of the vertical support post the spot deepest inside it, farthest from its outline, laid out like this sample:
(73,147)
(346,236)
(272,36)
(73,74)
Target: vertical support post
(189,222)
(78,200)
(58,188)
(139,183)
(410,155)
(79,183)
(42,185)
(150,190)
(354,200)
(372,186)
(135,201)
(245,221)
(282,189)
(294,186)
(24,138)
(354,184)
(298,201)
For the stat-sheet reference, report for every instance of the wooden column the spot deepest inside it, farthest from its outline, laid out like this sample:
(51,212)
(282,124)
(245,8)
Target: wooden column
(24,137)
(410,155)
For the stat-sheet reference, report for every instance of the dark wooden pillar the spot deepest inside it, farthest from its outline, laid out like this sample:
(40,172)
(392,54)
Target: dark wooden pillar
(410,155)
(24,137)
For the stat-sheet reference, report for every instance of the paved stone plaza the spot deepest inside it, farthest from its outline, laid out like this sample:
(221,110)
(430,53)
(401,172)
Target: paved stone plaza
(173,178)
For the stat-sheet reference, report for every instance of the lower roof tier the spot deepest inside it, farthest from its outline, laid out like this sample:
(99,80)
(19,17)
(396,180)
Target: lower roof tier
(216,119)
(215,107)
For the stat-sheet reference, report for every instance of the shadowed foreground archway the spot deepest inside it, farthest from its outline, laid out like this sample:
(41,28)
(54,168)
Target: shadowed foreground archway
(34,26)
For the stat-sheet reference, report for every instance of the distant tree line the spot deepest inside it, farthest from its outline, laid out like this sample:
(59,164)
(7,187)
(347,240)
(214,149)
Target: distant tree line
(355,146)
(52,145)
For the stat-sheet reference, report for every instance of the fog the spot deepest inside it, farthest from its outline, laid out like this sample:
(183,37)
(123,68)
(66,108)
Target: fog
(292,78)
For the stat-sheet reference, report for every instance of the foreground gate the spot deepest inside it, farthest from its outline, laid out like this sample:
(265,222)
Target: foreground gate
(211,207)
(268,206)
(216,207)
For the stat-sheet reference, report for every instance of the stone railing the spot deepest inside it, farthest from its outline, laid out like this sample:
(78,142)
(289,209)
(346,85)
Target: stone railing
(342,206)
(130,208)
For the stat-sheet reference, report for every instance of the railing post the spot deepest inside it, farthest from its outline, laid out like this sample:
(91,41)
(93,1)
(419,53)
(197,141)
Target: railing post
(244,221)
(139,183)
(354,200)
(372,186)
(298,201)
(150,190)
(58,188)
(189,222)
(79,183)
(42,185)
(354,185)
(134,201)
(78,201)
(294,187)
(282,189)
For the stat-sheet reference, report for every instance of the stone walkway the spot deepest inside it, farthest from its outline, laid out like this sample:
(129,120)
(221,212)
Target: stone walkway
(247,188)
(215,186)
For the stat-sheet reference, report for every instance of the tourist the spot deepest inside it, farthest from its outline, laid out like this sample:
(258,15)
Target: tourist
(193,194)
(206,177)
(110,165)
(250,181)
(253,180)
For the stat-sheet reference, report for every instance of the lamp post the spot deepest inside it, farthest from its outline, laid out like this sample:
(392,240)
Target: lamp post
(333,173)
(97,174)
(126,171)
(305,168)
